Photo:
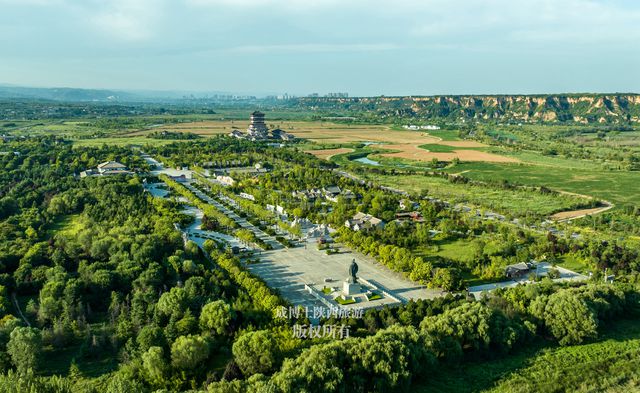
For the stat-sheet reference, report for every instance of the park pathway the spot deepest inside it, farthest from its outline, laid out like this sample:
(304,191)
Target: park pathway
(17,305)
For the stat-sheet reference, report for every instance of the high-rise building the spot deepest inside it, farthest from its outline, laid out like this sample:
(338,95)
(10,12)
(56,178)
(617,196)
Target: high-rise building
(257,128)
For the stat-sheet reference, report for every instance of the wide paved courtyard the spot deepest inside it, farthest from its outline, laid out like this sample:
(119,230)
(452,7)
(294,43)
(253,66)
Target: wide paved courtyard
(288,270)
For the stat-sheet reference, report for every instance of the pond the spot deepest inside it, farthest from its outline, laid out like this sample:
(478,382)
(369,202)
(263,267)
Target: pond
(367,160)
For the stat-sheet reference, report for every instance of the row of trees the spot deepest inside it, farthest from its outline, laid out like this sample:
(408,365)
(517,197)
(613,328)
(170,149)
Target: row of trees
(210,211)
(403,260)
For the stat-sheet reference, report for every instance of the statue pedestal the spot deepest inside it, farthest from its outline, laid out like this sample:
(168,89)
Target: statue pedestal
(349,289)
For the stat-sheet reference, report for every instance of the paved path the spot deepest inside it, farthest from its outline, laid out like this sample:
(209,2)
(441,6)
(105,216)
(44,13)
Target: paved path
(17,305)
(243,223)
(199,235)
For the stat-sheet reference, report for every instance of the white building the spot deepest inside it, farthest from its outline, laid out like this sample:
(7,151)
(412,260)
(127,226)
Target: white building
(364,221)
(107,168)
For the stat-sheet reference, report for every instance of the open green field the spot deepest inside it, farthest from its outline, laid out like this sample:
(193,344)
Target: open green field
(618,187)
(573,263)
(513,202)
(436,148)
(610,364)
(445,135)
(577,176)
(458,250)
(68,225)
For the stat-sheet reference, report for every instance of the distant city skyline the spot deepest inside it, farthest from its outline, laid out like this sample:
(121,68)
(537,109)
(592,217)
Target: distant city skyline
(300,47)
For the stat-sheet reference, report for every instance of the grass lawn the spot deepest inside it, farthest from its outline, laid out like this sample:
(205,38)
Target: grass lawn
(472,281)
(374,296)
(433,147)
(459,250)
(619,187)
(514,202)
(572,263)
(68,225)
(342,301)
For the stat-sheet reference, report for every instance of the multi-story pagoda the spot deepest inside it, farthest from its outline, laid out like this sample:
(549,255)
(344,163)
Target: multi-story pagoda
(257,128)
(259,131)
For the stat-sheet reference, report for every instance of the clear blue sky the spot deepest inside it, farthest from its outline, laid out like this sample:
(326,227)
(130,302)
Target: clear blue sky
(364,47)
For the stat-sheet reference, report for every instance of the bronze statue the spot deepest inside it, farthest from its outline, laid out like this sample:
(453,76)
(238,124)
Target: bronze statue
(353,269)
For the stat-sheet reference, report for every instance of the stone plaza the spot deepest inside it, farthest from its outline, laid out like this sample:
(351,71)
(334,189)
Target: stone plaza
(301,273)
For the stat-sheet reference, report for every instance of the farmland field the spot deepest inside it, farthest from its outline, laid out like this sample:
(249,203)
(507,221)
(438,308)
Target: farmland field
(577,176)
(395,146)
(122,141)
(401,143)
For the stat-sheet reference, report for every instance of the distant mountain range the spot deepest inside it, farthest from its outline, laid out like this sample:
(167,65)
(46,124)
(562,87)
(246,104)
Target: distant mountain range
(67,94)
(579,108)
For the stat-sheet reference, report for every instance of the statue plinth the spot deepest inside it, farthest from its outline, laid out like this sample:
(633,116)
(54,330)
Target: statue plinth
(349,288)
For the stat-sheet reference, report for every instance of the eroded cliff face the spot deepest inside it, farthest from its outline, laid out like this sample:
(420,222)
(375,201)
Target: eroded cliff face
(595,108)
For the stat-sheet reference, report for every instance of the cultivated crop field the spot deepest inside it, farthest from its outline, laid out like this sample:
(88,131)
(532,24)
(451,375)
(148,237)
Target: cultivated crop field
(404,144)
(393,146)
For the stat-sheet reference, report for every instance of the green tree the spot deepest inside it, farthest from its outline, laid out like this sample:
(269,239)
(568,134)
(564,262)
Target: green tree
(189,352)
(154,366)
(448,279)
(24,347)
(255,352)
(569,319)
(191,248)
(173,302)
(216,316)
(150,336)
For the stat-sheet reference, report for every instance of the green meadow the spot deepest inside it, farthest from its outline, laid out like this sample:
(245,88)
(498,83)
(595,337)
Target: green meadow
(619,187)
(518,202)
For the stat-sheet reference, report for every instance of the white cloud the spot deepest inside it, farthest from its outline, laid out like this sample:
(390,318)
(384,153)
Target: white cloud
(128,20)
